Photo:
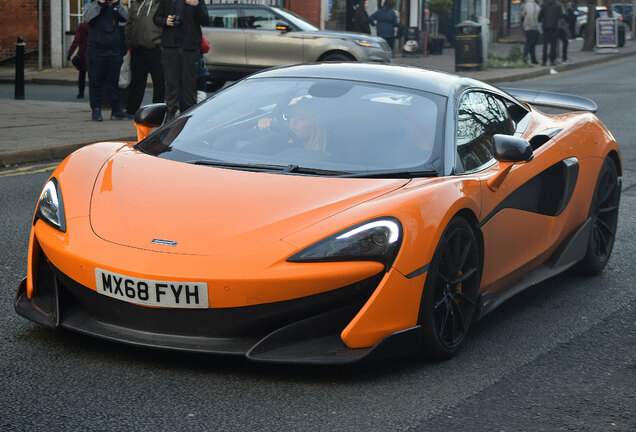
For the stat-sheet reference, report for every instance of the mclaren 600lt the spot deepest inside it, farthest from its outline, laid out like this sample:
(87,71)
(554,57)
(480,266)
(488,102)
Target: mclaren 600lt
(323,213)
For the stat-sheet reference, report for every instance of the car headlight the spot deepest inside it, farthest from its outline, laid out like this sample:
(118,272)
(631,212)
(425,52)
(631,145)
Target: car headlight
(50,207)
(368,44)
(374,240)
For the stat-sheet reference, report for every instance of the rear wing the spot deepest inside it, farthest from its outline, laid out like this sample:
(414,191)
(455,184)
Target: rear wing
(553,100)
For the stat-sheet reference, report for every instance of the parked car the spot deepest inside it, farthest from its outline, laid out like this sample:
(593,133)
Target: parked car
(323,213)
(246,38)
(624,9)
(581,18)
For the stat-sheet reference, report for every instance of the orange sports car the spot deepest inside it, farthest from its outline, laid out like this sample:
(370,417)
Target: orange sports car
(323,213)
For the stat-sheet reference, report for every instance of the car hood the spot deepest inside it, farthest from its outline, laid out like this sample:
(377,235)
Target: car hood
(138,198)
(343,35)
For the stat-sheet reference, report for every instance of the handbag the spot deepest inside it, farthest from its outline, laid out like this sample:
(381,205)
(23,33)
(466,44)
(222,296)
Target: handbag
(205,45)
(78,61)
(124,72)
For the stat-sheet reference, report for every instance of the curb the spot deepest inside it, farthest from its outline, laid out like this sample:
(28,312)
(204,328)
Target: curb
(545,70)
(46,153)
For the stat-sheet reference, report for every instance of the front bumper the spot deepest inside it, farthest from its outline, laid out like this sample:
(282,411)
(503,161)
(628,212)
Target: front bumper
(305,330)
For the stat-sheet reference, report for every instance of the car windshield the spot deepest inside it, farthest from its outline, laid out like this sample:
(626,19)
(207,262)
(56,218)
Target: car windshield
(296,20)
(309,126)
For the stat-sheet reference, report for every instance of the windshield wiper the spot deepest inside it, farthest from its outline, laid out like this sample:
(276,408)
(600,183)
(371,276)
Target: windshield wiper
(295,169)
(247,166)
(292,169)
(393,174)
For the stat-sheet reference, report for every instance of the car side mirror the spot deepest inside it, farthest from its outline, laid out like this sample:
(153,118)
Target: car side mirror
(508,148)
(148,117)
(283,27)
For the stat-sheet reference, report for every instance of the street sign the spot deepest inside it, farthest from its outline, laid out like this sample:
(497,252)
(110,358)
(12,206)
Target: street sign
(606,32)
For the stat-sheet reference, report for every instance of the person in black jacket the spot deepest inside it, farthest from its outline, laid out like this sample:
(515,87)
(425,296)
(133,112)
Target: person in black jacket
(549,16)
(104,55)
(181,21)
(361,18)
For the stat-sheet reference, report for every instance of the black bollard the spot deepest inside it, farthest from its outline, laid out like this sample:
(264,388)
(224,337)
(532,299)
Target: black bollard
(19,68)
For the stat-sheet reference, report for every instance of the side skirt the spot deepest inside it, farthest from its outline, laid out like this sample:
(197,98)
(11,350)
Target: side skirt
(570,253)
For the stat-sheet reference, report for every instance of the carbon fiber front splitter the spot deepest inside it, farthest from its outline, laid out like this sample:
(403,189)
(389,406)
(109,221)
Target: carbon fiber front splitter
(305,331)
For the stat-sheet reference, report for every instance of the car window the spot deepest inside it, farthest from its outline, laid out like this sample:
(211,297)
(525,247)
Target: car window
(481,115)
(325,124)
(223,18)
(260,19)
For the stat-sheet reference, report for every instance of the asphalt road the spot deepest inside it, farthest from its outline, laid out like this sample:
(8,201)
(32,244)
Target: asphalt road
(560,356)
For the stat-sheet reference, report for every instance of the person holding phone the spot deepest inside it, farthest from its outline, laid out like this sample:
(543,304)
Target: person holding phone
(104,55)
(181,21)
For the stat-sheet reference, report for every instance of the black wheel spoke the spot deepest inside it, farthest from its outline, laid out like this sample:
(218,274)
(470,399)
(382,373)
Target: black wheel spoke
(598,243)
(455,248)
(452,326)
(464,297)
(608,190)
(460,317)
(442,327)
(464,276)
(603,226)
(443,277)
(464,256)
(440,303)
(448,259)
(605,210)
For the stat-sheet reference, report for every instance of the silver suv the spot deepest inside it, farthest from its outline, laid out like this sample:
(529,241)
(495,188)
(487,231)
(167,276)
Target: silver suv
(245,38)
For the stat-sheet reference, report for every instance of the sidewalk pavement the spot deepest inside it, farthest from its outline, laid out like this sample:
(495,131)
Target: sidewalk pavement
(33,131)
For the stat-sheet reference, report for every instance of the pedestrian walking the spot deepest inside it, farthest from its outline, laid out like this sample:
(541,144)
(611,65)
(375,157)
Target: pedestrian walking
(563,33)
(143,38)
(104,55)
(80,61)
(549,17)
(181,21)
(361,18)
(385,20)
(530,16)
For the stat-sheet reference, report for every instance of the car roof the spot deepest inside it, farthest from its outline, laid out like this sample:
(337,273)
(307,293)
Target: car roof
(241,5)
(440,83)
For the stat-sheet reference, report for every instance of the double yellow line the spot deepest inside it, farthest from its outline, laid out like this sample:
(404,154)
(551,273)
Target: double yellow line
(32,169)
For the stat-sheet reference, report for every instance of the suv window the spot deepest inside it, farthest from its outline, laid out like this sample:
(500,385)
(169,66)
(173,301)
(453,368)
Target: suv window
(481,115)
(223,18)
(260,19)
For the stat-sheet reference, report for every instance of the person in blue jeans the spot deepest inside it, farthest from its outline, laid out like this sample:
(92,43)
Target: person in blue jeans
(104,55)
(385,20)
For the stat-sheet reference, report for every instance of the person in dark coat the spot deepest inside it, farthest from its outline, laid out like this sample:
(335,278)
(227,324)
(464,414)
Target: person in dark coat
(181,21)
(79,43)
(104,54)
(385,20)
(361,18)
(143,37)
(549,16)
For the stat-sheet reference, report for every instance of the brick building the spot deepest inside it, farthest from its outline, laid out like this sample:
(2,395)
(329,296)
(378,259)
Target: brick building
(60,18)
(20,18)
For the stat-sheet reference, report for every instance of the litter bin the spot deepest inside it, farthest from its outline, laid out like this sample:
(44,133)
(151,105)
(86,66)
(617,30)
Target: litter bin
(412,46)
(621,34)
(468,54)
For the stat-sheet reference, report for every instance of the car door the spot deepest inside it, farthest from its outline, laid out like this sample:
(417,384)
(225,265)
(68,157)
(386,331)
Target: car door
(226,38)
(518,216)
(266,46)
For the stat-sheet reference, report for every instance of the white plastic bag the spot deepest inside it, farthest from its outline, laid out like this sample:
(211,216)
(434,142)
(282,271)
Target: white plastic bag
(124,72)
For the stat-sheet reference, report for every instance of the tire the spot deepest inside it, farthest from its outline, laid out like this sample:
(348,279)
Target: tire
(449,299)
(337,57)
(604,215)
